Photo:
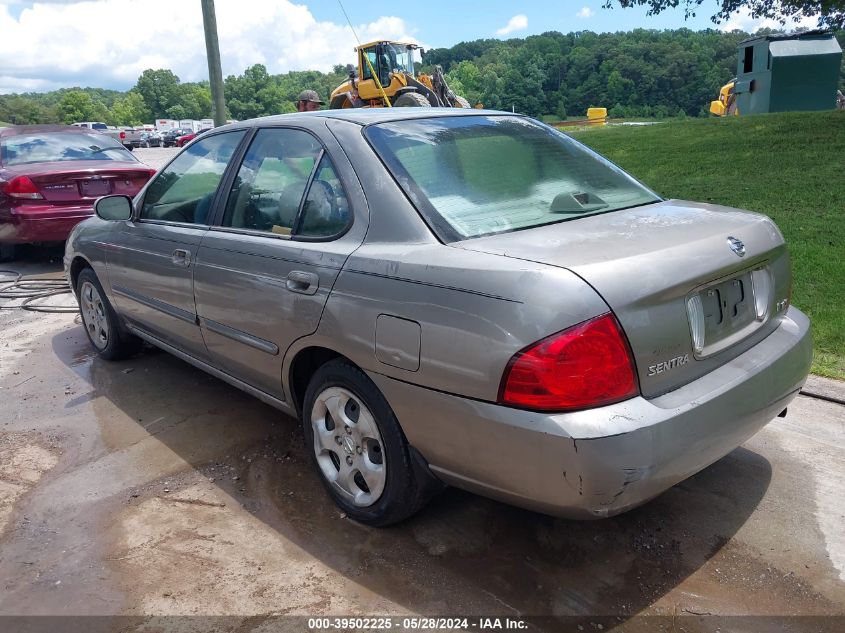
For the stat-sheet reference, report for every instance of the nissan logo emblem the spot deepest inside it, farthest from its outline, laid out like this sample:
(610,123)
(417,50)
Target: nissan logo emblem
(736,246)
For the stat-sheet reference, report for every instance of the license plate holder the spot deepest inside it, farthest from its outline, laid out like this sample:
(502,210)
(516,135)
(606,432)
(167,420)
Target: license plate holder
(728,307)
(94,187)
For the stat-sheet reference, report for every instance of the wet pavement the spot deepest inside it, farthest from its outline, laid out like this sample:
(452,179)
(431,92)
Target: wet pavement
(146,487)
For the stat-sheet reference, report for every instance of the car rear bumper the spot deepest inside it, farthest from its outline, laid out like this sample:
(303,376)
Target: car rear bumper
(604,461)
(41,223)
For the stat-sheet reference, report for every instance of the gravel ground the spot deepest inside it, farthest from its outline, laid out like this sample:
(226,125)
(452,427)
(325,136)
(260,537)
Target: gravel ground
(156,157)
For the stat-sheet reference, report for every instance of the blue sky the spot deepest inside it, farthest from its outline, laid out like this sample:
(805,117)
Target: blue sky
(108,43)
(446,23)
(443,23)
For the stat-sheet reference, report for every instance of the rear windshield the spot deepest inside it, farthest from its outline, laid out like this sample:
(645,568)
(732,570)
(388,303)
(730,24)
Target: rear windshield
(478,175)
(46,147)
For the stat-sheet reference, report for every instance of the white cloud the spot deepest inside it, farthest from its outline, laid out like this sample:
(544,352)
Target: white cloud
(742,21)
(108,44)
(585,13)
(516,23)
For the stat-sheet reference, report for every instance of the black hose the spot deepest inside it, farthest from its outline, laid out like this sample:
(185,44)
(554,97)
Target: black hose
(29,290)
(821,396)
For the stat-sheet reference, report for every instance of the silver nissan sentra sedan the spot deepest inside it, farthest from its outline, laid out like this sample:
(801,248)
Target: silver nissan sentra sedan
(459,297)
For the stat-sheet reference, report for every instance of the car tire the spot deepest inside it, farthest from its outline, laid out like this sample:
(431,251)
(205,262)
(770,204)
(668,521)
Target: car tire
(371,441)
(101,323)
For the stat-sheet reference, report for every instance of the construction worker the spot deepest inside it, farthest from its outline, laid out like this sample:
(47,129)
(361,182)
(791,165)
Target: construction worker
(308,101)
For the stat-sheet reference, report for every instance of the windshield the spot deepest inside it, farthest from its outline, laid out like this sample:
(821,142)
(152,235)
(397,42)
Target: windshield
(45,147)
(400,57)
(477,175)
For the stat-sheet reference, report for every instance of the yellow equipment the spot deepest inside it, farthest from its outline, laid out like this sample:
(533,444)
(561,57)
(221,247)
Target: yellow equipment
(596,116)
(726,103)
(385,77)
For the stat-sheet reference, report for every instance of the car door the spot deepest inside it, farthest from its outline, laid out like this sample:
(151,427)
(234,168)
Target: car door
(264,272)
(151,264)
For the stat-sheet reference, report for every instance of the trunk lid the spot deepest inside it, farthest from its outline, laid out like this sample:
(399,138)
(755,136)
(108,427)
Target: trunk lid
(669,273)
(84,181)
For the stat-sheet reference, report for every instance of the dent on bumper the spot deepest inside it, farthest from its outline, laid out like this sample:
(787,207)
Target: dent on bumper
(604,461)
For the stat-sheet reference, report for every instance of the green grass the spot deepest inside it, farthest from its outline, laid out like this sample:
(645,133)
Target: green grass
(789,166)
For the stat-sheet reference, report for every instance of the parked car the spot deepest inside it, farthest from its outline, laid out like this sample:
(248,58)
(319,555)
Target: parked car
(50,176)
(187,138)
(131,136)
(92,125)
(168,139)
(462,297)
(148,139)
(120,135)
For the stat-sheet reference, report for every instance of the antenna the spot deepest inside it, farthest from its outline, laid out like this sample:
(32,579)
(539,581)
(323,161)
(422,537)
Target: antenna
(364,55)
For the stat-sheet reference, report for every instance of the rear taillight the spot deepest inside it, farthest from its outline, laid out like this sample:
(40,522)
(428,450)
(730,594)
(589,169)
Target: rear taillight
(587,365)
(23,188)
(122,136)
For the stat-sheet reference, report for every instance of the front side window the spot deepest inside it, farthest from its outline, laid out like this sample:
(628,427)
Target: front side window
(287,186)
(477,175)
(184,190)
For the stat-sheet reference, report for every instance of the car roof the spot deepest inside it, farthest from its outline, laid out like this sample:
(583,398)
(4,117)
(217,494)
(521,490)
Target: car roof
(364,116)
(35,129)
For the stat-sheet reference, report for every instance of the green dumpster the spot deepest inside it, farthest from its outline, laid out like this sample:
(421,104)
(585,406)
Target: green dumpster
(781,73)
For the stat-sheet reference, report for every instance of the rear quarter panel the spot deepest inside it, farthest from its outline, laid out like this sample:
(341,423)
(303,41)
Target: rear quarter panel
(474,311)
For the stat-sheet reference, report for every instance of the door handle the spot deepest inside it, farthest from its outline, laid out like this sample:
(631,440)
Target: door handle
(181,257)
(302,282)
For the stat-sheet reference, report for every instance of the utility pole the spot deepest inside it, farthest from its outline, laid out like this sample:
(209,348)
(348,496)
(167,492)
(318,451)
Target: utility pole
(215,73)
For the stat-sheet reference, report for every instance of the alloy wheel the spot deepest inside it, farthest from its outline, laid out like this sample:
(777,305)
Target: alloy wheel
(94,314)
(348,446)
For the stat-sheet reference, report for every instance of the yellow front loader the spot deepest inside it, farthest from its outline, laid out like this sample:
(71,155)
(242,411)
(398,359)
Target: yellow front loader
(725,105)
(386,77)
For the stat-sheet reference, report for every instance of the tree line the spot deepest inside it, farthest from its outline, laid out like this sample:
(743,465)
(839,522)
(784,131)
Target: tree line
(640,73)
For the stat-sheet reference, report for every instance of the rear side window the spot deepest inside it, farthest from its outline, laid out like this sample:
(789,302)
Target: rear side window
(287,186)
(326,210)
(46,147)
(184,190)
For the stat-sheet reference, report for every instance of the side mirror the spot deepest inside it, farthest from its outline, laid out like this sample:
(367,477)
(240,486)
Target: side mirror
(113,207)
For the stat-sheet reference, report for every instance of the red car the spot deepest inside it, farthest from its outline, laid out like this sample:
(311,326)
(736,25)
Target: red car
(181,141)
(50,176)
